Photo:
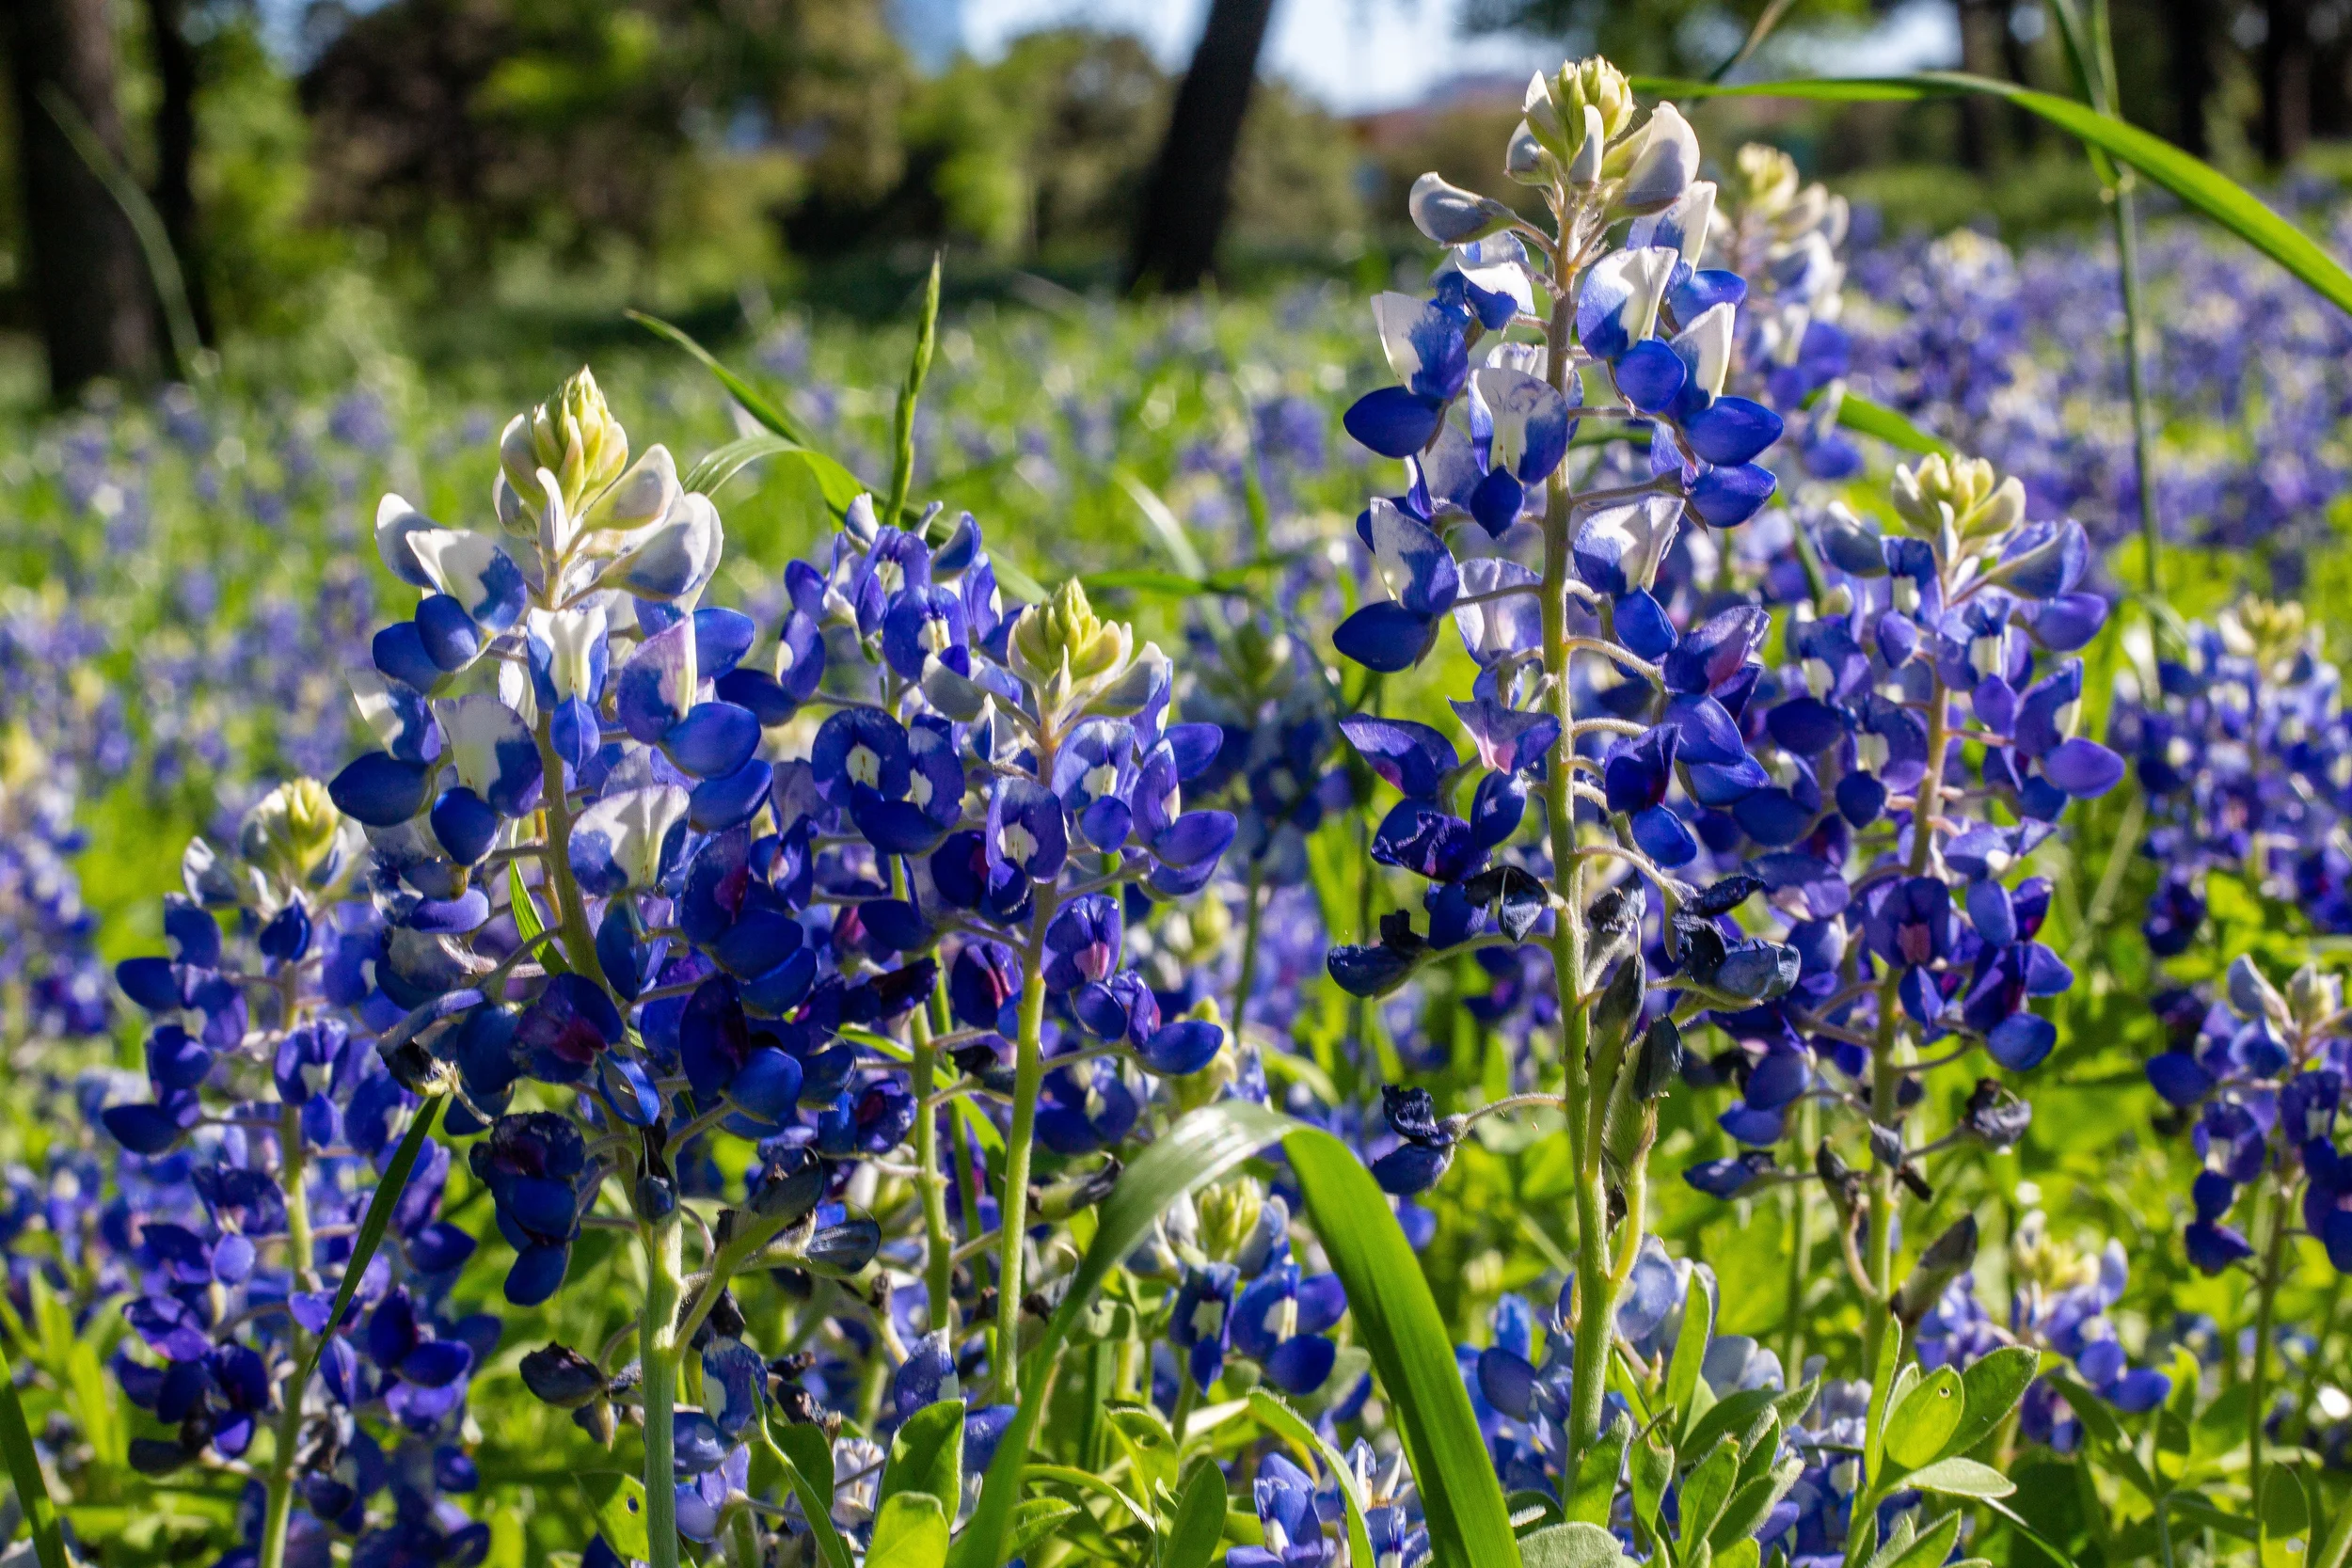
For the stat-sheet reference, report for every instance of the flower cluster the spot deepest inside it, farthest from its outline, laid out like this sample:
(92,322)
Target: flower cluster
(2262,1072)
(2240,744)
(267,1122)
(2060,1298)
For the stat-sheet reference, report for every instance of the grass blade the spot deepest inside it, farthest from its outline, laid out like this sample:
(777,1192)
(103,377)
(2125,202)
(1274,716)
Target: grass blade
(1397,1320)
(2194,180)
(372,1227)
(1272,1412)
(902,458)
(837,483)
(1198,1149)
(816,1500)
(1866,417)
(32,1488)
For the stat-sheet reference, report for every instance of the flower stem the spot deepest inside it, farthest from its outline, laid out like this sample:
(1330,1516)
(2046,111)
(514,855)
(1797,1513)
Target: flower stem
(2265,1315)
(301,1254)
(1799,1244)
(571,910)
(938,1247)
(1248,979)
(1029,1077)
(1594,1287)
(657,1357)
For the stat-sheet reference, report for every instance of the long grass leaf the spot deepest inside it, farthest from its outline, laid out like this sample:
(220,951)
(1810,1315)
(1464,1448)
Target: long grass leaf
(2195,181)
(32,1488)
(834,481)
(1198,1149)
(1397,1320)
(372,1227)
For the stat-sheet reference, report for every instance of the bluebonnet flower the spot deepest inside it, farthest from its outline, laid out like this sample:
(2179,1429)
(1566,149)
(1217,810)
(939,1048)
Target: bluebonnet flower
(2059,1302)
(237,1212)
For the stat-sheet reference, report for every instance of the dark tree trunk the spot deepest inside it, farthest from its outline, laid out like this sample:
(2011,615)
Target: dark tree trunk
(2192,43)
(2286,79)
(1981,26)
(89,285)
(1184,210)
(175,147)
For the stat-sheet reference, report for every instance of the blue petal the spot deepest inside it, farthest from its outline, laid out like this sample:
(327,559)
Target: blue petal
(1387,638)
(380,790)
(1394,422)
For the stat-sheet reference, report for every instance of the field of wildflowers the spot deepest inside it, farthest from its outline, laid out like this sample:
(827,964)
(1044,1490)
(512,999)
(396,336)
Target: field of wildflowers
(1192,934)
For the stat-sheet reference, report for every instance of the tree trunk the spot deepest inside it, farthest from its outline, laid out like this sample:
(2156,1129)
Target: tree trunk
(175,149)
(2286,79)
(1980,29)
(1184,210)
(2192,41)
(89,284)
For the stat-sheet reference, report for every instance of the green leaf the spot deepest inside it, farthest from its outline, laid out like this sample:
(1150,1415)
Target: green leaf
(2285,1519)
(529,925)
(1865,417)
(1741,1553)
(1166,525)
(708,476)
(1571,1545)
(838,485)
(1196,1150)
(1919,1427)
(910,1531)
(1150,1443)
(1993,1384)
(617,1502)
(1751,1503)
(1683,1382)
(2197,183)
(372,1227)
(1292,1425)
(1192,1536)
(1597,1474)
(1396,1318)
(1649,1474)
(1727,1417)
(806,1456)
(1037,1520)
(32,1487)
(2017,1523)
(910,391)
(1531,1510)
(927,1456)
(1087,1481)
(1706,1490)
(1961,1477)
(1926,1550)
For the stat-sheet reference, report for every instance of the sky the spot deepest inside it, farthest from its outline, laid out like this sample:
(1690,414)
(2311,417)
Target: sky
(1356,55)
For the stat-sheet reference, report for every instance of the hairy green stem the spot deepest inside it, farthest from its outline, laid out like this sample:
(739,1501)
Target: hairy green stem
(1594,1283)
(2265,1316)
(1248,979)
(301,1253)
(1800,1242)
(657,1357)
(571,909)
(2318,1364)
(938,1246)
(1029,1077)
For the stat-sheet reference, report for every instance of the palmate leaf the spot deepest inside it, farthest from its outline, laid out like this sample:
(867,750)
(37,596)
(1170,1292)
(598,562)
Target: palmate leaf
(2195,181)
(1394,1313)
